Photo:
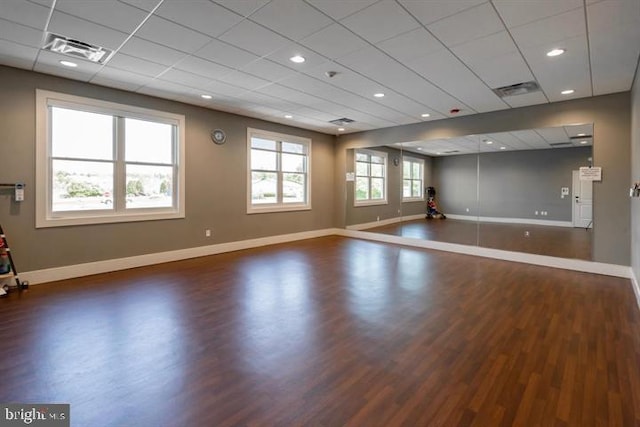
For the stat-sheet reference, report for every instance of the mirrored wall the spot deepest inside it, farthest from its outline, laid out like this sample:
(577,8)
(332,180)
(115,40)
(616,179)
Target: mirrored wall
(517,191)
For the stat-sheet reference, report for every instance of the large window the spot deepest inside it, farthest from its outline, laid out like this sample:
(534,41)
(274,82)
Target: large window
(412,179)
(279,172)
(103,162)
(371,177)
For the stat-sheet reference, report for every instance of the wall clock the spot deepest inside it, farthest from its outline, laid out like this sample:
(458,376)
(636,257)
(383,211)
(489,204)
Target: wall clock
(218,136)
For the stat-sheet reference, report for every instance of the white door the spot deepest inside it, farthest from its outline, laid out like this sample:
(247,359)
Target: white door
(582,202)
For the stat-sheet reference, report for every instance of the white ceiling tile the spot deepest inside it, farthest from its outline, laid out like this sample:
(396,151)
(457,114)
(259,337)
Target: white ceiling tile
(16,55)
(185,78)
(220,88)
(243,80)
(301,19)
(550,32)
(85,31)
(136,65)
(410,45)
(534,98)
(334,41)
(49,63)
(167,33)
(495,59)
(553,135)
(516,13)
(269,70)
(380,21)
(225,54)
(199,15)
(471,24)
(243,7)
(254,38)
(110,13)
(114,77)
(20,34)
(283,92)
(24,12)
(614,39)
(203,67)
(431,11)
(147,5)
(150,51)
(568,71)
(448,73)
(128,85)
(338,9)
(575,130)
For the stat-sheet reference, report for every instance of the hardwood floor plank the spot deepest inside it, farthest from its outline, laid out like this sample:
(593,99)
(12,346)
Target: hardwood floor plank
(328,332)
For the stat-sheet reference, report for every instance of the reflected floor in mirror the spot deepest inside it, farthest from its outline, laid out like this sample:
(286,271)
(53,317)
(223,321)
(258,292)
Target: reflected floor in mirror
(328,332)
(563,242)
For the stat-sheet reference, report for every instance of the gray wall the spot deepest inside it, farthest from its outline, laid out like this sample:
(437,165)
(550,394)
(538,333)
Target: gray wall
(456,181)
(215,183)
(611,117)
(512,184)
(635,175)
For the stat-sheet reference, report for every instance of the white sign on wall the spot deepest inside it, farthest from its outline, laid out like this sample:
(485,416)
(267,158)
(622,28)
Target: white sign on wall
(351,176)
(590,174)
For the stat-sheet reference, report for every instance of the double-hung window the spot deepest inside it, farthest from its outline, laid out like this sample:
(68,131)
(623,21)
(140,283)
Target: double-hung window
(279,172)
(371,177)
(101,162)
(412,179)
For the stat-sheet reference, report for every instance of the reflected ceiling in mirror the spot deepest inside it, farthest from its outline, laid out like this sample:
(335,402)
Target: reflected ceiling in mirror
(579,135)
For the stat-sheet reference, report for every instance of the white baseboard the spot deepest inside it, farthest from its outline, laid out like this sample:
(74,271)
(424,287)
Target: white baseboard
(551,223)
(636,287)
(543,260)
(68,272)
(367,225)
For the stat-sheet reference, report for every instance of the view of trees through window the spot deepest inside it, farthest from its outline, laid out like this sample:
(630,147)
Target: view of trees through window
(85,161)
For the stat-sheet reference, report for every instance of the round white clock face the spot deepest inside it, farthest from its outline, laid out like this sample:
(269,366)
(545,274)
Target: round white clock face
(218,136)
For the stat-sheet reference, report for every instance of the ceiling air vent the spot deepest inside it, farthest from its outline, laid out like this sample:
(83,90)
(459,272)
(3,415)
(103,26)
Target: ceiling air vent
(450,151)
(76,48)
(560,144)
(517,89)
(341,122)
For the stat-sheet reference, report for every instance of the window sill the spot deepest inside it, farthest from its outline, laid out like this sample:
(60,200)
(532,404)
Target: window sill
(413,199)
(277,208)
(370,203)
(64,221)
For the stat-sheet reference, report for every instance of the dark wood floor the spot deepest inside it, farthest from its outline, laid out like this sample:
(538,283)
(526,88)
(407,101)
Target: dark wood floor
(328,332)
(564,242)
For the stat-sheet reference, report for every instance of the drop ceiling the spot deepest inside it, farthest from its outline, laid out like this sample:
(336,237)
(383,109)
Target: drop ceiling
(426,56)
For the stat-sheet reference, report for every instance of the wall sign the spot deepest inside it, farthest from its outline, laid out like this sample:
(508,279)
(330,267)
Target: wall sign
(590,174)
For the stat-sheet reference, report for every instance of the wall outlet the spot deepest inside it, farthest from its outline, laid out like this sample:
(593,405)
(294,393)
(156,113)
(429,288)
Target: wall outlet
(378,218)
(467,209)
(526,234)
(207,233)
(536,212)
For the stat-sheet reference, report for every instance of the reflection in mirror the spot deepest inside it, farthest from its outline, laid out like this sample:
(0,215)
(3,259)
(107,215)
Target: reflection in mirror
(516,191)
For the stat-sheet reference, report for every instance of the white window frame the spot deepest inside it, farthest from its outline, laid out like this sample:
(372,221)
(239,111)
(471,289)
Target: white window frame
(45,217)
(421,162)
(280,206)
(370,202)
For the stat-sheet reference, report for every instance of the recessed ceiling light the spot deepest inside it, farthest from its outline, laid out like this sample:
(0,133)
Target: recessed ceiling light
(288,116)
(567,92)
(425,115)
(503,148)
(556,52)
(419,148)
(297,59)
(69,64)
(584,142)
(488,142)
(379,95)
(582,134)
(206,96)
(438,153)
(341,129)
